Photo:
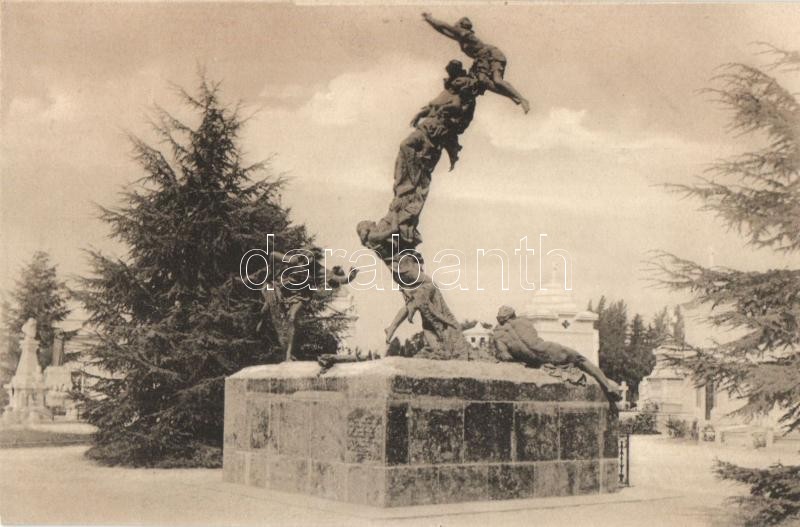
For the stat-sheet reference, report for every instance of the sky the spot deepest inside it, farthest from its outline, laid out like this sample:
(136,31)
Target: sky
(617,110)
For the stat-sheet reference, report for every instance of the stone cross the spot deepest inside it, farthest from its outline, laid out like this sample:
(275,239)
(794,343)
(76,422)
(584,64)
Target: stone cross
(623,391)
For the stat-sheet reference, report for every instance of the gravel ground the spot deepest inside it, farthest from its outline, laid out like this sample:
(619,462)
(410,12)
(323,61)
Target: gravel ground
(672,485)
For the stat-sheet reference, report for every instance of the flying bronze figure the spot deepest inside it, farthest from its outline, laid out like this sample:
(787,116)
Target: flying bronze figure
(489,64)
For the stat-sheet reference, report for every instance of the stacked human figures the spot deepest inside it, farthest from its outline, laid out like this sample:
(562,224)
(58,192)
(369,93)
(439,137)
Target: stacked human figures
(395,237)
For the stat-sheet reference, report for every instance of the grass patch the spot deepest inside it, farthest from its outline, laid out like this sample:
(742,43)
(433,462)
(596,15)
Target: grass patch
(23,437)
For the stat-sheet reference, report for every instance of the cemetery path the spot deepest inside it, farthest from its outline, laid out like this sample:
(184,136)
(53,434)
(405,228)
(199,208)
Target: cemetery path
(672,481)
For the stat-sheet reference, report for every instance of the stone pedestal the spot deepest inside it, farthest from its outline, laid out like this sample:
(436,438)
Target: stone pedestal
(400,431)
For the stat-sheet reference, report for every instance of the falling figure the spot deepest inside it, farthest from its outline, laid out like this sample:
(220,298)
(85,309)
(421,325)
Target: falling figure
(489,64)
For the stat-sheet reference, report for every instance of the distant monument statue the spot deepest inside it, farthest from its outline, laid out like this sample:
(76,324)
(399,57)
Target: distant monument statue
(26,391)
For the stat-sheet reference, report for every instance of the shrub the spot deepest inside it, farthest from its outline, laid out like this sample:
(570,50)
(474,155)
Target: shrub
(641,423)
(677,427)
(709,434)
(649,407)
(759,439)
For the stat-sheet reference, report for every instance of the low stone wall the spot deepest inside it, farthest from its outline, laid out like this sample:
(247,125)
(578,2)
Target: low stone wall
(400,431)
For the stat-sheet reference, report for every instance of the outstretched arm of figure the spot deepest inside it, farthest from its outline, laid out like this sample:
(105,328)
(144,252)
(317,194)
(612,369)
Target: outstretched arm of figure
(377,236)
(394,222)
(442,27)
(398,319)
(424,112)
(412,310)
(449,322)
(502,351)
(452,148)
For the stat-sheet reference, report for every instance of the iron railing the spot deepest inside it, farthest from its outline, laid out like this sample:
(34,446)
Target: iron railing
(625,460)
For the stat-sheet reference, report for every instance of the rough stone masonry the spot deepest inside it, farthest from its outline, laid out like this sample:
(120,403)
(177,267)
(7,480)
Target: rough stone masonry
(402,431)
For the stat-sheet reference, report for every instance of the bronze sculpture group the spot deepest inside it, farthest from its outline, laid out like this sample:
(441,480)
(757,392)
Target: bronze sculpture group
(436,128)
(395,237)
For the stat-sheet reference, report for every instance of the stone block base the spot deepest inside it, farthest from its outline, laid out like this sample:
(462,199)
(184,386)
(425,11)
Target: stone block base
(400,431)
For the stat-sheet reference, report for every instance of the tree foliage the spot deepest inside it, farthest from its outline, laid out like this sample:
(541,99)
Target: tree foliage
(626,350)
(757,193)
(679,326)
(472,322)
(612,326)
(172,318)
(774,492)
(661,326)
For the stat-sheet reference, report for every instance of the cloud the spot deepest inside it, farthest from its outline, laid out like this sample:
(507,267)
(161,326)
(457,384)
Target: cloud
(283,91)
(566,128)
(346,133)
(370,95)
(58,106)
(561,127)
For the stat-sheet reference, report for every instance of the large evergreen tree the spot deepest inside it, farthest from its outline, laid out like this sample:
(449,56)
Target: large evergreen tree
(39,294)
(172,318)
(758,194)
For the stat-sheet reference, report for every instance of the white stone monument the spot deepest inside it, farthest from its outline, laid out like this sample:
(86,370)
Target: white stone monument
(558,319)
(26,391)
